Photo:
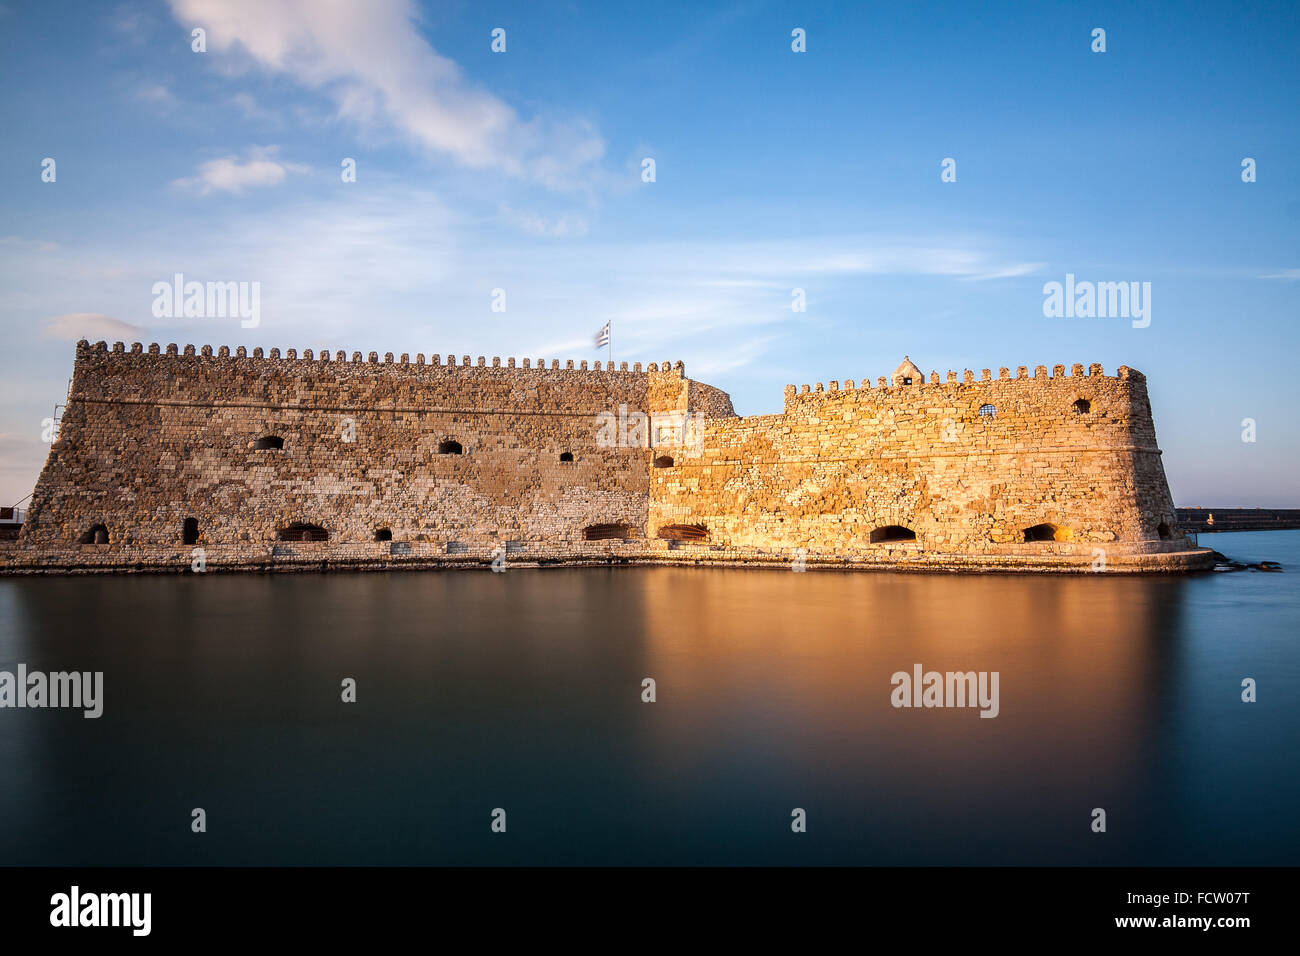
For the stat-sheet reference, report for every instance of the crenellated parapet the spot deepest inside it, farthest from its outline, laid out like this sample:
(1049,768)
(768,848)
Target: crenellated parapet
(435,360)
(199,374)
(951,383)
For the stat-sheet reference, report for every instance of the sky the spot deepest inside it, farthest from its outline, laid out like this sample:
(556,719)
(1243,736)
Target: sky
(774,170)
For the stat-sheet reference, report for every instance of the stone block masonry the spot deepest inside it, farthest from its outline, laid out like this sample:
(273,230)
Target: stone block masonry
(302,462)
(1037,464)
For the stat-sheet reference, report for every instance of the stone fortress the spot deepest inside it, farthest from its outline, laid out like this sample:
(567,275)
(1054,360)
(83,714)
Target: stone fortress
(183,459)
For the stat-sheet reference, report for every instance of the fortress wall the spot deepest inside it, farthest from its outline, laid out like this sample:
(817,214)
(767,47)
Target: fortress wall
(150,438)
(844,460)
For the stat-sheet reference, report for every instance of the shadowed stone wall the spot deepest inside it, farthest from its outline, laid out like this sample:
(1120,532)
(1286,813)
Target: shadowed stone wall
(150,439)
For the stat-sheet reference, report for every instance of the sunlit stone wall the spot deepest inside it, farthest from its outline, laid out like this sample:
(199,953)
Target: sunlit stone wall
(1024,462)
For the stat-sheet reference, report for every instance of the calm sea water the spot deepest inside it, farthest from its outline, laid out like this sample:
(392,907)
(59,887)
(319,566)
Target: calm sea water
(522,691)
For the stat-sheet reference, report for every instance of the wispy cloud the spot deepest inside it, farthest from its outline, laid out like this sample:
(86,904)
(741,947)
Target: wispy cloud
(717,363)
(232,174)
(371,59)
(962,257)
(1284,274)
(131,22)
(253,111)
(28,245)
(89,325)
(565,226)
(155,93)
(391,268)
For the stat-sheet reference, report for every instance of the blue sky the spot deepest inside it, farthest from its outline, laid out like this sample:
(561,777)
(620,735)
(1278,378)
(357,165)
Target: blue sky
(774,170)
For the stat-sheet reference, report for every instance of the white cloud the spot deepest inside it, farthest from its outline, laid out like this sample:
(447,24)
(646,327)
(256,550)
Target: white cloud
(131,22)
(1011,270)
(259,167)
(707,365)
(29,245)
(155,93)
(370,58)
(565,226)
(961,257)
(391,268)
(1284,274)
(252,111)
(89,325)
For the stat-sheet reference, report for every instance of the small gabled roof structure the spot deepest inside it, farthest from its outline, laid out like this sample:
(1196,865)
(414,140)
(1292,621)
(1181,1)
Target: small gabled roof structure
(907,371)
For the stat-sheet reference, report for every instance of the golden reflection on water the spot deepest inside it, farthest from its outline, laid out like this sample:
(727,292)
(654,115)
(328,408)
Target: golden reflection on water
(809,657)
(773,692)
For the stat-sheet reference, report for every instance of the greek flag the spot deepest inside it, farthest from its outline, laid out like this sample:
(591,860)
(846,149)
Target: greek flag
(602,337)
